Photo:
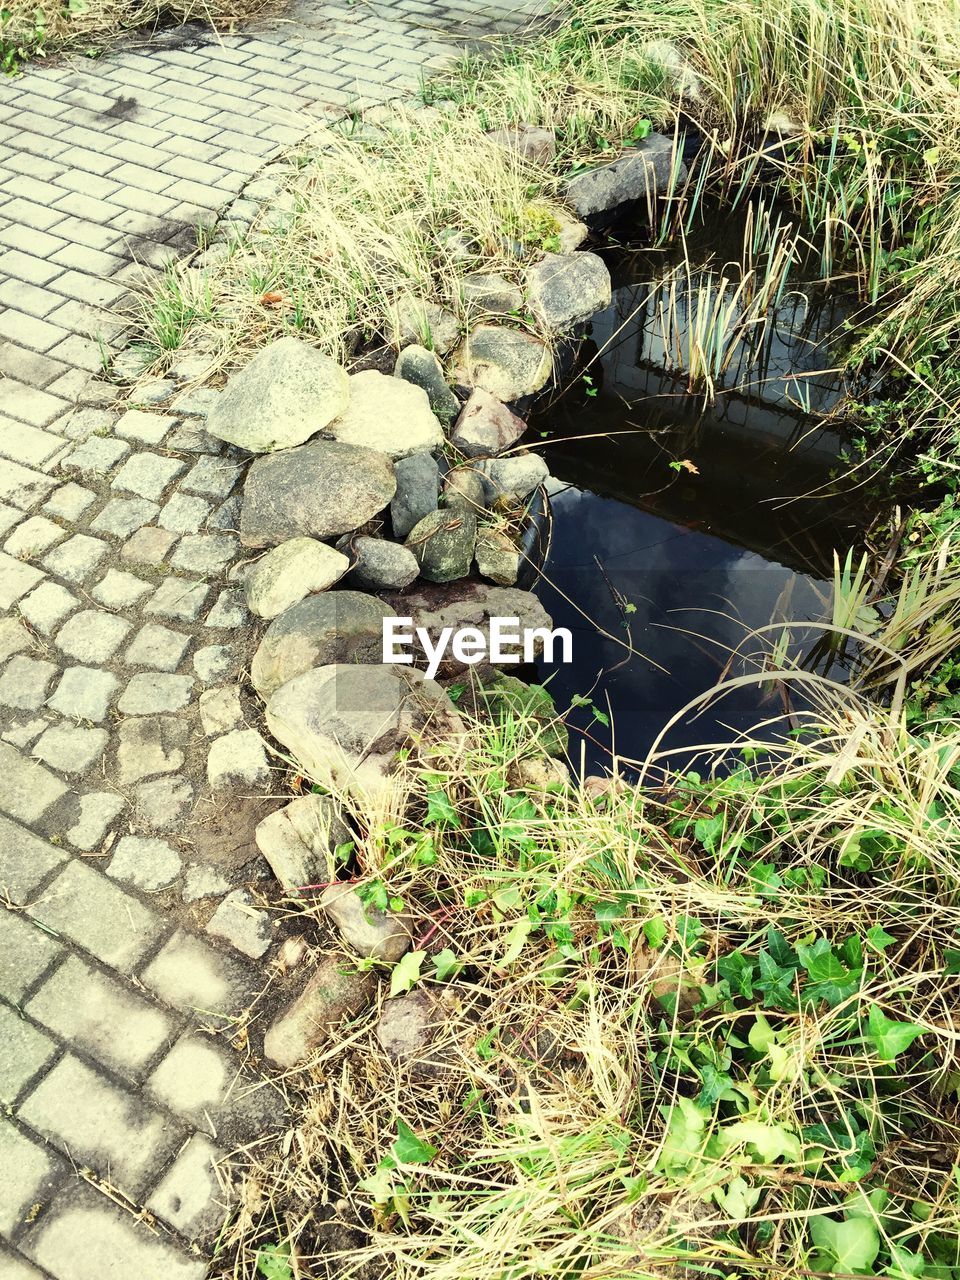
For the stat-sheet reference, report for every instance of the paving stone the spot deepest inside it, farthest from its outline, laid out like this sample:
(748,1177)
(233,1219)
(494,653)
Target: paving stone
(47,606)
(14,638)
(76,558)
(123,516)
(102,1017)
(187,973)
(214,662)
(157,647)
(8,517)
(194,1079)
(191,1196)
(148,746)
(165,802)
(25,1051)
(212,476)
(220,710)
(145,862)
(150,692)
(71,749)
(184,513)
(33,537)
(97,455)
(192,437)
(93,635)
(15,1267)
(27,1177)
(243,925)
(120,590)
(69,502)
(147,474)
(238,761)
(205,553)
(178,598)
(25,952)
(98,809)
(229,612)
(86,907)
(146,428)
(203,881)
(100,1123)
(25,860)
(23,733)
(27,790)
(16,579)
(88,1238)
(227,515)
(25,681)
(84,693)
(148,546)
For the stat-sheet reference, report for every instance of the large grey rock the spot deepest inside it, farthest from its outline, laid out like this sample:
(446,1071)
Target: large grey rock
(513,478)
(380,935)
(414,320)
(485,427)
(421,367)
(382,565)
(565,289)
(319,490)
(418,486)
(344,724)
(443,543)
(640,173)
(288,392)
(341,626)
(390,415)
(465,486)
(469,604)
(490,292)
(507,363)
(329,997)
(498,557)
(291,571)
(299,841)
(535,144)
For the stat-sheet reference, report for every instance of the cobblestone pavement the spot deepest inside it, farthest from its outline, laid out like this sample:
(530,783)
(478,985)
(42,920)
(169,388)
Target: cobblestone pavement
(129,782)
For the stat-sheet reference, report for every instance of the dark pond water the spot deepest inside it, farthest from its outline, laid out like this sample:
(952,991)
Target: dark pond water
(663,572)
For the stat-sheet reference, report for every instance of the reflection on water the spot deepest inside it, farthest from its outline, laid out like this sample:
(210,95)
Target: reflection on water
(684,522)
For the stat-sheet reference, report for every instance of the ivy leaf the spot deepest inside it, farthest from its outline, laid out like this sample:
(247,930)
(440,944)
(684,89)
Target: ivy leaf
(516,939)
(852,1244)
(878,938)
(406,972)
(446,965)
(409,1149)
(684,1140)
(440,809)
(820,962)
(738,1199)
(889,1037)
(770,1141)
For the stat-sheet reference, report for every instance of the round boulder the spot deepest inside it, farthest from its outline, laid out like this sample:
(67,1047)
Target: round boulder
(291,571)
(506,362)
(288,392)
(381,565)
(565,289)
(318,490)
(341,626)
(388,414)
(443,543)
(485,427)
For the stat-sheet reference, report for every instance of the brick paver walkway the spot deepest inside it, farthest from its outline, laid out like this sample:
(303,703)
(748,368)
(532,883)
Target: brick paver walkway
(122,963)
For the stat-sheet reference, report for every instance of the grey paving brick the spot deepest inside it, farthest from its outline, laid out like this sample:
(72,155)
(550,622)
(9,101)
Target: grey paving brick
(34,536)
(25,681)
(100,1123)
(69,502)
(97,455)
(107,1020)
(16,579)
(28,1174)
(87,288)
(76,558)
(190,974)
(28,445)
(30,298)
(150,746)
(212,476)
(85,353)
(120,590)
(147,474)
(191,1196)
(146,428)
(93,635)
(195,1079)
(70,748)
(184,513)
(86,907)
(38,335)
(92,261)
(28,214)
(28,367)
(25,953)
(152,692)
(84,693)
(178,598)
(28,404)
(123,516)
(229,612)
(24,1050)
(157,647)
(85,1230)
(25,859)
(47,606)
(98,810)
(145,862)
(148,546)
